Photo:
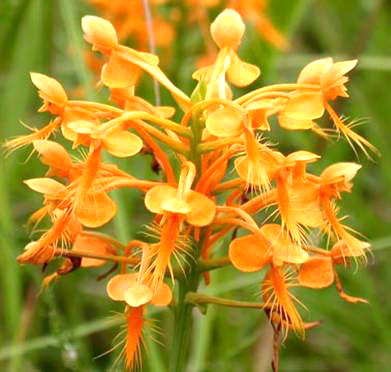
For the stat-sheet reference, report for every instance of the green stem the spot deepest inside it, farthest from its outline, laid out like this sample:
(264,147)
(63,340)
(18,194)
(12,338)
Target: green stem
(204,299)
(183,318)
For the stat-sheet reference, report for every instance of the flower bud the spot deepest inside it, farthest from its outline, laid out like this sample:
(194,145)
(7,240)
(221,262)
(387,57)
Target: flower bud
(227,29)
(99,32)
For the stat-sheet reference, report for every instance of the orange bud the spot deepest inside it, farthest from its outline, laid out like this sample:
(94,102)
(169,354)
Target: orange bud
(227,29)
(99,32)
(49,89)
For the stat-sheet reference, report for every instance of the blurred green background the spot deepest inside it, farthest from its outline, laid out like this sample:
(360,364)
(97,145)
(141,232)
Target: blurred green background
(67,326)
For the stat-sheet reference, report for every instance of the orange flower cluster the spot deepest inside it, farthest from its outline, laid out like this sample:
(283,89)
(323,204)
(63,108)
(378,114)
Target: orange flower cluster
(194,210)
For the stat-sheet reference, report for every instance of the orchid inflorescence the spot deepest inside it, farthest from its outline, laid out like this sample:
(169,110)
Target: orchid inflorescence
(195,210)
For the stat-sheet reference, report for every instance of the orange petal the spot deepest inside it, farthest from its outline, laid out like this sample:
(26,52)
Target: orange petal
(305,204)
(68,133)
(312,73)
(302,156)
(340,172)
(36,253)
(333,75)
(96,210)
(258,173)
(155,197)
(283,248)
(294,124)
(349,247)
(163,296)
(50,89)
(138,295)
(225,122)
(317,272)
(305,106)
(92,245)
(119,73)
(249,253)
(82,126)
(227,29)
(54,155)
(241,73)
(119,284)
(45,186)
(99,32)
(176,205)
(202,209)
(122,143)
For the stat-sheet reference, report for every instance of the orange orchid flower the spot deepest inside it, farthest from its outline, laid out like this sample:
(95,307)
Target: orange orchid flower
(177,205)
(125,64)
(228,63)
(319,271)
(271,246)
(304,106)
(95,245)
(136,295)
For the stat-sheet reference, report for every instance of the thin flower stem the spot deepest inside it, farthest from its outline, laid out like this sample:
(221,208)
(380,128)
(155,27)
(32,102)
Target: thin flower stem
(275,87)
(96,105)
(152,45)
(174,144)
(81,254)
(183,316)
(231,184)
(142,115)
(204,299)
(214,145)
(113,242)
(204,265)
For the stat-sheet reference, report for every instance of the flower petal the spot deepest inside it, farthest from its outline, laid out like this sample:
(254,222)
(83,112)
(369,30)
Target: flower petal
(305,106)
(333,75)
(119,73)
(249,253)
(176,205)
(313,71)
(202,209)
(294,124)
(283,248)
(122,143)
(82,126)
(119,284)
(94,245)
(163,296)
(241,73)
(46,186)
(96,210)
(50,89)
(138,295)
(317,272)
(349,247)
(340,172)
(227,29)
(155,197)
(99,32)
(224,122)
(54,155)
